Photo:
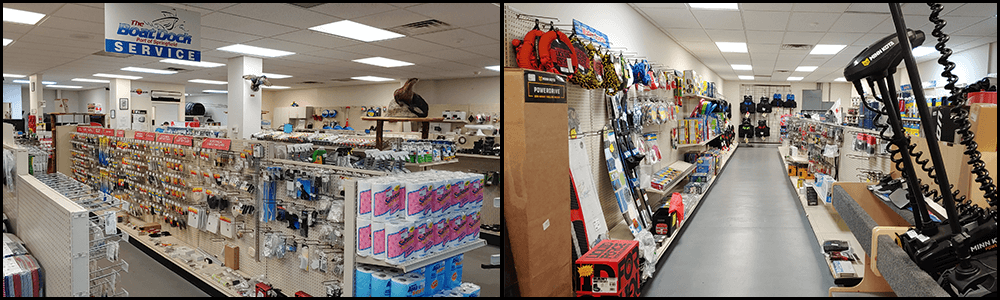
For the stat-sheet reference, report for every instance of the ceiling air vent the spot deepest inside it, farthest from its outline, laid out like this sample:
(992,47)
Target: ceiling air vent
(781,71)
(111,54)
(307,5)
(796,47)
(422,27)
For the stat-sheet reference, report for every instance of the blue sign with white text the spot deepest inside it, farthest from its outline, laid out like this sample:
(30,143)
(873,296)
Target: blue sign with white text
(151,50)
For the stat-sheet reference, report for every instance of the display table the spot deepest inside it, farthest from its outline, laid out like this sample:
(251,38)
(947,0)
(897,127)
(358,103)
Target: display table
(425,126)
(889,268)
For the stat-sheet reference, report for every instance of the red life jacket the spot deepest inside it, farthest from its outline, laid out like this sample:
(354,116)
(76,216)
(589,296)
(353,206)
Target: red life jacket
(556,53)
(527,50)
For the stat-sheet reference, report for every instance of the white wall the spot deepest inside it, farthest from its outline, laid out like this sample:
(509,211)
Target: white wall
(215,105)
(165,112)
(831,91)
(627,28)
(12,95)
(49,96)
(96,96)
(971,65)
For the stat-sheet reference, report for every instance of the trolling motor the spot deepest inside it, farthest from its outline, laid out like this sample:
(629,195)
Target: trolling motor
(945,250)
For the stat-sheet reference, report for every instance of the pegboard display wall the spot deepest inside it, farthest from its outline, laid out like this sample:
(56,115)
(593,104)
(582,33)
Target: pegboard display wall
(855,165)
(773,119)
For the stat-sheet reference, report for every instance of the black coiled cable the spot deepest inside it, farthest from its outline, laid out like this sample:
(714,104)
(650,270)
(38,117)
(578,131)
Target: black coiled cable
(959,114)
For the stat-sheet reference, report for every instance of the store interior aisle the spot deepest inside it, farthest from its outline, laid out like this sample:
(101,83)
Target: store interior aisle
(749,237)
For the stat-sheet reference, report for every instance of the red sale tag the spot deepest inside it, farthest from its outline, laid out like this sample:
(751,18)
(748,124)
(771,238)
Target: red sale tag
(165,138)
(145,136)
(108,132)
(120,133)
(183,140)
(216,144)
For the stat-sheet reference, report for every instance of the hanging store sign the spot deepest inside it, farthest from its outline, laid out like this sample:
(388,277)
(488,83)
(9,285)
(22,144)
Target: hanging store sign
(152,30)
(216,144)
(145,136)
(181,140)
(543,87)
(591,34)
(165,138)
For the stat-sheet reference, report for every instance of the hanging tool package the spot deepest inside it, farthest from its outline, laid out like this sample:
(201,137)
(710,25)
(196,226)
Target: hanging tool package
(960,253)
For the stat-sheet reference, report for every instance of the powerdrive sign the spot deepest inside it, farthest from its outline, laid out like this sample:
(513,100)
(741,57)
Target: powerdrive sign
(152,30)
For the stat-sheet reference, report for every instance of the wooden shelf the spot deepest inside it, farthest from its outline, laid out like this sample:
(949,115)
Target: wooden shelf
(478,156)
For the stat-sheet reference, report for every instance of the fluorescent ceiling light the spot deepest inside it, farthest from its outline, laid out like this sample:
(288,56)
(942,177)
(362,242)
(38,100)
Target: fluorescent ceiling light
(276,76)
(841,79)
(356,31)
(200,64)
(215,92)
(257,51)
(383,62)
(922,51)
(28,81)
(7,42)
(494,68)
(742,67)
(727,6)
(732,47)
(91,80)
(746,77)
(275,87)
(805,69)
(145,70)
(827,49)
(20,16)
(64,86)
(117,76)
(208,81)
(5,75)
(794,78)
(372,78)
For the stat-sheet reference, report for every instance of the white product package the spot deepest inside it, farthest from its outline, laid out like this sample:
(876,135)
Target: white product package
(364,237)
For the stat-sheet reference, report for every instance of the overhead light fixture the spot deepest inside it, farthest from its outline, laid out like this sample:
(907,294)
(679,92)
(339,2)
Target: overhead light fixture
(794,78)
(5,75)
(255,51)
(276,76)
(356,31)
(494,68)
(805,69)
(91,80)
(746,77)
(27,81)
(742,67)
(215,92)
(841,79)
(723,6)
(151,71)
(372,78)
(827,49)
(208,81)
(64,86)
(923,51)
(200,64)
(275,87)
(732,47)
(117,76)
(7,42)
(383,62)
(21,17)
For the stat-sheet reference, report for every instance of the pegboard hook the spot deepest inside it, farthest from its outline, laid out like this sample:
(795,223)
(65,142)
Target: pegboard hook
(519,16)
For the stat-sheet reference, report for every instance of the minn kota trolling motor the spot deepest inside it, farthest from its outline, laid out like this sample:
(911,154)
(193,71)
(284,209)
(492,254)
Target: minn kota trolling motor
(960,253)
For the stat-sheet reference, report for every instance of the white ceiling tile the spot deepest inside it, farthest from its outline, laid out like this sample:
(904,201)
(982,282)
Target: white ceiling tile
(94,5)
(352,10)
(758,55)
(959,23)
(452,54)
(211,6)
(481,61)
(868,39)
(80,12)
(271,43)
(857,22)
(371,50)
(821,7)
(457,38)
(765,37)
(316,60)
(242,24)
(486,50)
(809,21)
(404,5)
(676,5)
(412,45)
(460,14)
(693,35)
(392,18)
(73,25)
(984,28)
(672,18)
(488,30)
(419,59)
(199,10)
(737,58)
(227,36)
(715,19)
(833,38)
(337,54)
(729,36)
(767,6)
(761,20)
(16,28)
(318,39)
(808,38)
(210,44)
(974,10)
(281,13)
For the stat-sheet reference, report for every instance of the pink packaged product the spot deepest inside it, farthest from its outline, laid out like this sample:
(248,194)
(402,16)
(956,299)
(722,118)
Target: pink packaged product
(418,196)
(473,223)
(364,199)
(440,197)
(382,199)
(398,236)
(441,230)
(378,240)
(364,237)
(455,224)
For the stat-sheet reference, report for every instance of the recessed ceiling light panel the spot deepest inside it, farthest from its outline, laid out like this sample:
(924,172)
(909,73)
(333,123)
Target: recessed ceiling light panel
(356,31)
(21,17)
(255,51)
(383,62)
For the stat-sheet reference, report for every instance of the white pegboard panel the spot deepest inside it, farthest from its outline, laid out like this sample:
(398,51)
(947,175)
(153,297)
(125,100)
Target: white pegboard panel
(513,28)
(774,118)
(852,166)
(47,227)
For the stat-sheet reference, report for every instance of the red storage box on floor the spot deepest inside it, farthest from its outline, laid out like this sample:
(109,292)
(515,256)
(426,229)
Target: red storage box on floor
(983,97)
(610,269)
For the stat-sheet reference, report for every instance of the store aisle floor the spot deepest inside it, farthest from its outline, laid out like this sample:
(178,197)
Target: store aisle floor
(748,237)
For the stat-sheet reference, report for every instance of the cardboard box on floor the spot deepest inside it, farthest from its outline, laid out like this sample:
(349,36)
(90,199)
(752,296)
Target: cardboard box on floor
(536,177)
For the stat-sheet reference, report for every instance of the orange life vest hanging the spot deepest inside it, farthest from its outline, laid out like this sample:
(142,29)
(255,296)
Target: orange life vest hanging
(527,49)
(556,53)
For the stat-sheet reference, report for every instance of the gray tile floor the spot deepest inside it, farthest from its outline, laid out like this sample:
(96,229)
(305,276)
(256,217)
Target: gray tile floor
(148,278)
(748,237)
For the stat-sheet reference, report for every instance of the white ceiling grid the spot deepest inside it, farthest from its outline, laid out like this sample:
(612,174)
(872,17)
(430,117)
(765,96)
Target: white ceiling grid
(766,26)
(61,46)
